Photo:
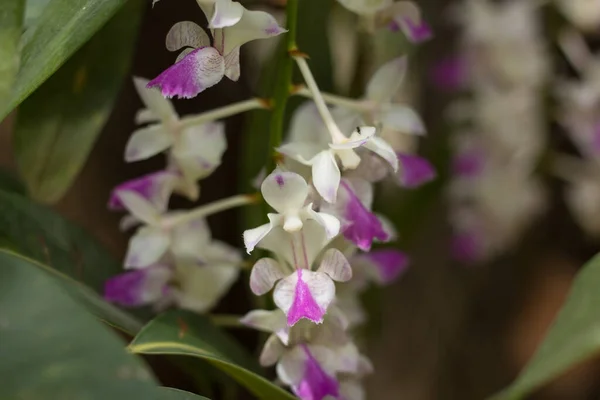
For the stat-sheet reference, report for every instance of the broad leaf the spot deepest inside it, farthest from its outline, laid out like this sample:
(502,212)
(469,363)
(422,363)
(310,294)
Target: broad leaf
(53,349)
(58,125)
(11,22)
(188,334)
(10,183)
(33,11)
(573,337)
(176,394)
(63,28)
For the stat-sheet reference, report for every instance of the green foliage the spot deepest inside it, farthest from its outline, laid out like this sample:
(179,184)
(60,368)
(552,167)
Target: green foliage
(52,349)
(573,337)
(11,21)
(58,125)
(66,25)
(188,334)
(176,394)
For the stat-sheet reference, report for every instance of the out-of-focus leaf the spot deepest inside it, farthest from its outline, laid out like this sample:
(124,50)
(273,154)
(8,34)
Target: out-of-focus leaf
(11,22)
(62,29)
(176,394)
(573,337)
(10,183)
(58,125)
(188,334)
(53,349)
(33,11)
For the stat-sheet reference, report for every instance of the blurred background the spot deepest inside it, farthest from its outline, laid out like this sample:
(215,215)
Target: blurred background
(449,328)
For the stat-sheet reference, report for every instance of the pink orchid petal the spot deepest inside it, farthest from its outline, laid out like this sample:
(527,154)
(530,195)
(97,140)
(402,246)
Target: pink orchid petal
(415,171)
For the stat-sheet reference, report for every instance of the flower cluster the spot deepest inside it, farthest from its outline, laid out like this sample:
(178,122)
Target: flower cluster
(501,135)
(323,227)
(579,114)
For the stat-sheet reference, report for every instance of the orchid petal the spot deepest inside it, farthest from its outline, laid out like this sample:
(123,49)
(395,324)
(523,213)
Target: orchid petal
(386,81)
(365,7)
(217,252)
(200,149)
(253,25)
(265,273)
(232,65)
(326,175)
(401,118)
(329,222)
(140,207)
(358,138)
(146,247)
(352,389)
(197,71)
(300,151)
(155,187)
(138,288)
(147,142)
(272,321)
(272,351)
(304,294)
(190,239)
(383,150)
(186,34)
(226,13)
(285,191)
(415,170)
(336,265)
(202,286)
(154,101)
(385,266)
(406,16)
(254,236)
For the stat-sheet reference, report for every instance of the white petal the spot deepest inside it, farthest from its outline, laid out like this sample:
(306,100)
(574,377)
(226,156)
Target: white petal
(190,239)
(291,366)
(221,252)
(253,25)
(352,389)
(265,273)
(365,7)
(284,191)
(358,138)
(183,53)
(265,320)
(336,265)
(186,34)
(232,65)
(307,127)
(144,116)
(147,142)
(304,294)
(271,352)
(226,13)
(388,227)
(383,150)
(146,247)
(300,151)
(141,208)
(401,118)
(202,286)
(253,236)
(153,99)
(329,222)
(386,81)
(326,175)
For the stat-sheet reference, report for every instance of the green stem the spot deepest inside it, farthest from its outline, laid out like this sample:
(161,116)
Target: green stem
(227,321)
(282,87)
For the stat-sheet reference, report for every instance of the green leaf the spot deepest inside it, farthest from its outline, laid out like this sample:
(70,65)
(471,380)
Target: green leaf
(33,11)
(64,250)
(11,183)
(53,349)
(64,27)
(573,337)
(188,334)
(176,394)
(58,125)
(11,22)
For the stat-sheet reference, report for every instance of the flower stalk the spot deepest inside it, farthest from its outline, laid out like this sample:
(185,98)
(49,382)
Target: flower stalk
(357,105)
(211,208)
(223,112)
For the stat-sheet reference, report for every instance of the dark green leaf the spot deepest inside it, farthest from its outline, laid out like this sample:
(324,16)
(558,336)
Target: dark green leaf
(573,337)
(63,28)
(11,22)
(188,334)
(176,394)
(58,125)
(10,183)
(53,349)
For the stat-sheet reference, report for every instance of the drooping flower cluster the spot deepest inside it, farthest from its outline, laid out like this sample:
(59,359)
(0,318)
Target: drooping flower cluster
(579,115)
(323,227)
(503,66)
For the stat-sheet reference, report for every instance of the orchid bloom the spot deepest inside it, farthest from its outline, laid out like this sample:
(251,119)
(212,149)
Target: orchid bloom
(188,241)
(401,15)
(195,151)
(202,65)
(584,14)
(287,193)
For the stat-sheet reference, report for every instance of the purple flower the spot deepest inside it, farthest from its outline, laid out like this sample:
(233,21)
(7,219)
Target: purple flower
(414,170)
(139,287)
(450,73)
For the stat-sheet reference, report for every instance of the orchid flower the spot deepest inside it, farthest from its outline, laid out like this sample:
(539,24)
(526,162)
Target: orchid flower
(195,150)
(584,14)
(202,65)
(287,193)
(401,15)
